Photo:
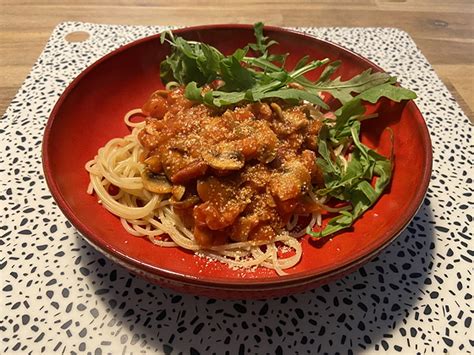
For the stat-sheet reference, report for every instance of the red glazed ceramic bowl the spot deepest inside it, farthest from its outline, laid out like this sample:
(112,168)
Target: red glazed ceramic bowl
(90,112)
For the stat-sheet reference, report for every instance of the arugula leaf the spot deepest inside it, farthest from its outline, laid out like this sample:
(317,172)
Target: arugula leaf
(262,45)
(222,98)
(301,63)
(354,108)
(353,183)
(209,61)
(362,196)
(342,90)
(192,92)
(262,63)
(196,64)
(338,185)
(236,77)
(293,95)
(189,61)
(325,162)
(246,87)
(244,79)
(394,93)
(350,109)
(328,71)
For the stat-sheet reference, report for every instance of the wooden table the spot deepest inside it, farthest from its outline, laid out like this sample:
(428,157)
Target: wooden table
(443,30)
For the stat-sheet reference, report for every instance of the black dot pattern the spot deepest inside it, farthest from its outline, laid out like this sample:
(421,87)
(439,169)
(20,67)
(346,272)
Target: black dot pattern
(59,295)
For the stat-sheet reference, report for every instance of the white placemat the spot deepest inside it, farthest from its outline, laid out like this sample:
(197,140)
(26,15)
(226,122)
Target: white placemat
(59,295)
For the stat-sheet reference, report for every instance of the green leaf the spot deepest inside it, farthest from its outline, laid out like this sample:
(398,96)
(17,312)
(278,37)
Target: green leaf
(208,98)
(343,90)
(189,61)
(208,63)
(362,197)
(236,77)
(221,98)
(240,53)
(201,63)
(192,92)
(258,32)
(323,151)
(301,63)
(343,221)
(368,192)
(392,92)
(261,46)
(354,185)
(294,95)
(350,109)
(278,58)
(262,63)
(338,187)
(328,71)
(300,71)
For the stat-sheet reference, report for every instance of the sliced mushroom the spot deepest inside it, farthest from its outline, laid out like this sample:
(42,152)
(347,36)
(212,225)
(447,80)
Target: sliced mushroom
(154,164)
(277,109)
(178,192)
(156,183)
(224,157)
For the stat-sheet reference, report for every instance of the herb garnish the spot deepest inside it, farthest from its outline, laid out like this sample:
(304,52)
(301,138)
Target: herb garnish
(248,78)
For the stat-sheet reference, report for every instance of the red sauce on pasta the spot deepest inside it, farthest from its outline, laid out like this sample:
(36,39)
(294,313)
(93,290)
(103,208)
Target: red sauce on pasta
(237,174)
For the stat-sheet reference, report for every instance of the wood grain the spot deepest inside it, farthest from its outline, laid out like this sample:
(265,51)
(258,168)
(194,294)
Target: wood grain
(443,30)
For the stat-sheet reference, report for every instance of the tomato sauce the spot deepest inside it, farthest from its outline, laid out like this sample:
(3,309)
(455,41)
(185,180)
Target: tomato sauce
(241,172)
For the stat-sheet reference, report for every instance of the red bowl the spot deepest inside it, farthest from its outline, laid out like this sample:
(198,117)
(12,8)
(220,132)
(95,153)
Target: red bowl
(90,112)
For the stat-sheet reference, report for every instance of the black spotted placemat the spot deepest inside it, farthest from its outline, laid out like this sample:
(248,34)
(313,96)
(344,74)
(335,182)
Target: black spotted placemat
(60,295)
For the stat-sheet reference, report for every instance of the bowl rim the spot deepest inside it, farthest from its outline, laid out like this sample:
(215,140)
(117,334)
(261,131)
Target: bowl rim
(221,282)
